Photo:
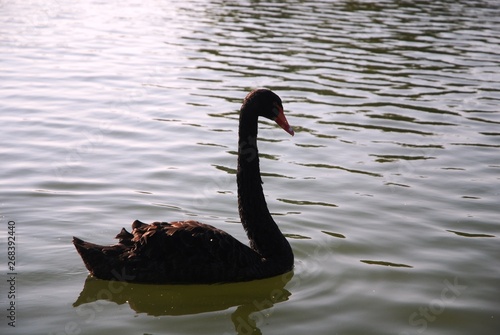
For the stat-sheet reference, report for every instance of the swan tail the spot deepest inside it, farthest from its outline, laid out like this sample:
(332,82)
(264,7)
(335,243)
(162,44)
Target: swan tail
(103,262)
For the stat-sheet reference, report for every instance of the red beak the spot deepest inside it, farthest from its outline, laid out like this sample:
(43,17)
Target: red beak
(282,122)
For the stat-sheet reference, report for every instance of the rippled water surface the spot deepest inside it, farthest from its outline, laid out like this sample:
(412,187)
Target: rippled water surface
(389,192)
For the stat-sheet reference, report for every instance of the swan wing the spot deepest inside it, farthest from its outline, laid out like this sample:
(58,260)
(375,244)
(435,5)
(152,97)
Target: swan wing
(190,251)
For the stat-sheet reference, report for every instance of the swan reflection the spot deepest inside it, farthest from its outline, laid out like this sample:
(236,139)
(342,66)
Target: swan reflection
(156,300)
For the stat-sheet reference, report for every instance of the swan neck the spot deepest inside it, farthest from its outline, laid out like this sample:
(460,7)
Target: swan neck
(263,233)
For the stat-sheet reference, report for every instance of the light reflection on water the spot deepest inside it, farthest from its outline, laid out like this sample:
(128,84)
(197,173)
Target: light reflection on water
(388,192)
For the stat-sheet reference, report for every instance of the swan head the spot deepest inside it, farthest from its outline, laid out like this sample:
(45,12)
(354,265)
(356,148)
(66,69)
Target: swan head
(269,105)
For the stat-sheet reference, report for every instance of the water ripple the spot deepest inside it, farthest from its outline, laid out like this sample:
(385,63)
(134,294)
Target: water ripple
(113,111)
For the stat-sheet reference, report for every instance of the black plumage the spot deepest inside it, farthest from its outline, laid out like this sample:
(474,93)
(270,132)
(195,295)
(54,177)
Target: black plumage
(193,252)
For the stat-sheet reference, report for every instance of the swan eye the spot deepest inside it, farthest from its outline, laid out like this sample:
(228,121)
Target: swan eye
(276,110)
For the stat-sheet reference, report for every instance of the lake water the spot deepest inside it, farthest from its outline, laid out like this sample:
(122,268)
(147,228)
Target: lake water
(389,192)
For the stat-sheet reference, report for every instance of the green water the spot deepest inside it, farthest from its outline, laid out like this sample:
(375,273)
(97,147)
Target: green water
(389,192)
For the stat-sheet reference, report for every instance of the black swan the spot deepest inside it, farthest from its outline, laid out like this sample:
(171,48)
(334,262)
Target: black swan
(190,252)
